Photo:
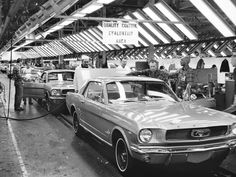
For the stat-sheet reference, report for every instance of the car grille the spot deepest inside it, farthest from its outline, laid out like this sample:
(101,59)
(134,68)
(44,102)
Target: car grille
(64,92)
(186,134)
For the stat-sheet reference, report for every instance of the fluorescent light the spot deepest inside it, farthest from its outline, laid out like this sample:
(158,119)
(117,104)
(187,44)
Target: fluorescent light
(164,26)
(66,22)
(99,38)
(151,28)
(214,18)
(144,32)
(93,39)
(105,1)
(162,55)
(56,48)
(78,14)
(89,8)
(79,36)
(143,42)
(223,53)
(228,7)
(71,44)
(55,28)
(211,53)
(49,49)
(168,12)
(184,54)
(91,42)
(78,43)
(62,47)
(82,41)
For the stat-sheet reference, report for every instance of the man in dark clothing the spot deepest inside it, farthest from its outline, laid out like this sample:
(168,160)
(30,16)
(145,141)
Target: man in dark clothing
(153,72)
(18,85)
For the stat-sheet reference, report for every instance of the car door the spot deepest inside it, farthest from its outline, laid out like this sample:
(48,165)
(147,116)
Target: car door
(35,89)
(94,108)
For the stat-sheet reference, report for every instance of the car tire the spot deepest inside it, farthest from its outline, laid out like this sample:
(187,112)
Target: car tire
(124,161)
(76,124)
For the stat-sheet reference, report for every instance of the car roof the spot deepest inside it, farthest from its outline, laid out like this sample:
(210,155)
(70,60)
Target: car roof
(125,78)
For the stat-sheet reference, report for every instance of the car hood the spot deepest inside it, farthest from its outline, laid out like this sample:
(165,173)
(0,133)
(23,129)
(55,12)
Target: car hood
(61,84)
(172,115)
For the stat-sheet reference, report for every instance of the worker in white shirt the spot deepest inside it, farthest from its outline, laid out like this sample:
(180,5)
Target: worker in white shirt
(27,71)
(123,65)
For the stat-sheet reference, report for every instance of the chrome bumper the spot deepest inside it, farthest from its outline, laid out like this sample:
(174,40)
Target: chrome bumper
(167,155)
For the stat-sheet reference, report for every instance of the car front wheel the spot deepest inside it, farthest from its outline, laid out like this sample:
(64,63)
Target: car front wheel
(123,159)
(76,125)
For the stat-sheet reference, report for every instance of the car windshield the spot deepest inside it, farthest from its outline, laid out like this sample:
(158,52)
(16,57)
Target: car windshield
(132,91)
(61,76)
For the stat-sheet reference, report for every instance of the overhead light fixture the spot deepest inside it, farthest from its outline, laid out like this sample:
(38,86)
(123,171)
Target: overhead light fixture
(184,54)
(207,10)
(62,47)
(105,1)
(144,33)
(90,41)
(55,28)
(143,42)
(55,48)
(74,46)
(99,38)
(49,50)
(211,53)
(165,27)
(66,22)
(81,44)
(78,37)
(223,53)
(229,8)
(78,14)
(90,7)
(93,39)
(172,16)
(151,28)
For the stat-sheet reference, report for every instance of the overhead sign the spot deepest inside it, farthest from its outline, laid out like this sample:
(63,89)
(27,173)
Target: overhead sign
(120,33)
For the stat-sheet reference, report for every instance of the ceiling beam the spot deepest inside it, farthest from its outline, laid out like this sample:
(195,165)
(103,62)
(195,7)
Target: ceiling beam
(13,10)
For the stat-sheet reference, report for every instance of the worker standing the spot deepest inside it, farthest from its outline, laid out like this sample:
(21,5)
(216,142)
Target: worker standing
(18,85)
(27,71)
(185,79)
(153,72)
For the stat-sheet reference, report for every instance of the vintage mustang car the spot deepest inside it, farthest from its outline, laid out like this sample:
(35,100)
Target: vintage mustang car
(52,86)
(142,119)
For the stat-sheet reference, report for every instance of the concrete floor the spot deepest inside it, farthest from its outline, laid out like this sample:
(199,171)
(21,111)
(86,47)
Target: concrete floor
(47,147)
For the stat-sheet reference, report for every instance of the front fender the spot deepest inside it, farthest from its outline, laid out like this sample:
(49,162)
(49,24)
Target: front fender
(128,136)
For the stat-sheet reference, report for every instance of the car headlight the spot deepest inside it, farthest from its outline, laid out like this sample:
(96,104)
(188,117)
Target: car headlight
(233,129)
(55,92)
(145,135)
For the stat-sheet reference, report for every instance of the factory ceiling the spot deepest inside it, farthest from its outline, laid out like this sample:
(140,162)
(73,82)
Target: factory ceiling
(208,26)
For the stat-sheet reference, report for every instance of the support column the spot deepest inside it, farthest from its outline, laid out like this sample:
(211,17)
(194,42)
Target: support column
(151,51)
(61,57)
